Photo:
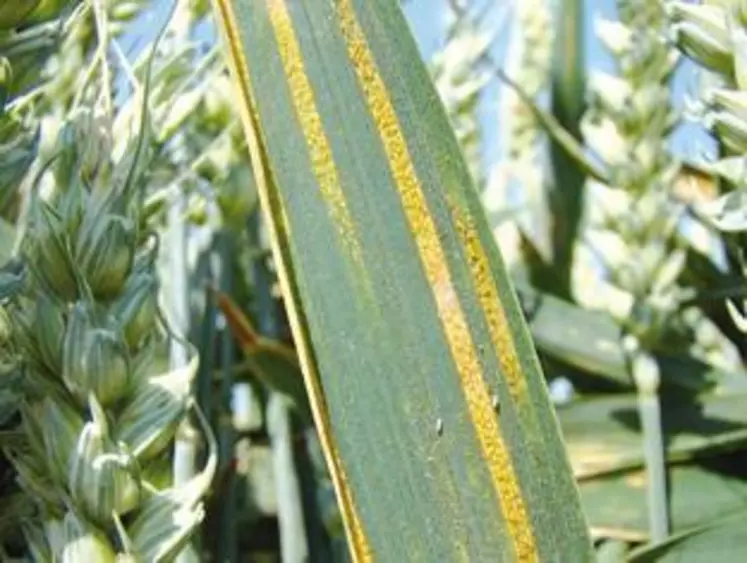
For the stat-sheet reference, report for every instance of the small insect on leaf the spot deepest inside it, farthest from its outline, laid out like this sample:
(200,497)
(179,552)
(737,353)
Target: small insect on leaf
(495,401)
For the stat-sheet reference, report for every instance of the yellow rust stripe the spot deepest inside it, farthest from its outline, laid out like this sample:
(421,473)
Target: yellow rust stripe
(358,542)
(434,263)
(490,302)
(320,152)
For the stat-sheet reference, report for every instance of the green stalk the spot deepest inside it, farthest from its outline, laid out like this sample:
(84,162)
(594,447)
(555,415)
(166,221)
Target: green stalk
(628,121)
(646,376)
(226,246)
(566,198)
(207,341)
(293,544)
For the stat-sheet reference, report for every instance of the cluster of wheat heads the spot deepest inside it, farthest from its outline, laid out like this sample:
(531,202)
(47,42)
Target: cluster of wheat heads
(98,411)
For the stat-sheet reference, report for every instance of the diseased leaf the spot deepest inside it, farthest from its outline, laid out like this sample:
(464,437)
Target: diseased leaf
(423,381)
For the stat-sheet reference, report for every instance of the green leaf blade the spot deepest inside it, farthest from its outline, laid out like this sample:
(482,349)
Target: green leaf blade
(414,327)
